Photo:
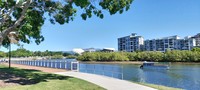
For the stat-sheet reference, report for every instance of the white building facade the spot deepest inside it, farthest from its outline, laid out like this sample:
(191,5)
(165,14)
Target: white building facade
(170,43)
(130,43)
(134,43)
(197,38)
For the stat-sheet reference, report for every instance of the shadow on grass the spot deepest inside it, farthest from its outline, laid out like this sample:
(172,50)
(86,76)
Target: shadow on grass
(27,76)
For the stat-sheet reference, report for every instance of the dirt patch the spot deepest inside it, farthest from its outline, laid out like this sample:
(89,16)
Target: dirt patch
(13,80)
(4,78)
(3,84)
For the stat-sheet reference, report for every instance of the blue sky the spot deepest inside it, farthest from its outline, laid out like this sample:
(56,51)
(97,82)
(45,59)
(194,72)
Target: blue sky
(148,18)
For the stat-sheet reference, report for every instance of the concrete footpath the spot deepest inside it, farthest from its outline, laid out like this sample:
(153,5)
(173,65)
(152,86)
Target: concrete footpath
(106,82)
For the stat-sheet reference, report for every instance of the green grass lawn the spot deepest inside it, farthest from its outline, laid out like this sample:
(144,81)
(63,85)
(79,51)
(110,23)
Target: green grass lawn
(36,80)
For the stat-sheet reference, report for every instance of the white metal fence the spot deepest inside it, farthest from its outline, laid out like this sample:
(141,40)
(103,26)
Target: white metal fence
(115,71)
(59,64)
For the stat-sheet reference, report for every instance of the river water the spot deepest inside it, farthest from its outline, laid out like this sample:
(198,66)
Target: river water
(185,76)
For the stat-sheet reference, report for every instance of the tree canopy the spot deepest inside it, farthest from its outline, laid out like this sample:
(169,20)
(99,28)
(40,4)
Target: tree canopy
(26,17)
(196,49)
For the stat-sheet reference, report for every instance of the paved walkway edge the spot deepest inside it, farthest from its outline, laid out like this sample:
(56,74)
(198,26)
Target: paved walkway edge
(106,82)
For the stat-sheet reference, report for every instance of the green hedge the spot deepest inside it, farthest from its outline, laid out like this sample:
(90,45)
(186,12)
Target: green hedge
(170,56)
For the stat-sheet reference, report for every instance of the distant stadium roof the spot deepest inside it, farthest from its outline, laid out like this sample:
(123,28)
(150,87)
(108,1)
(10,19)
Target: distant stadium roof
(78,50)
(113,49)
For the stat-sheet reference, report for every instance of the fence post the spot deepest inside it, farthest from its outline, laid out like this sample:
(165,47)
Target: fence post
(40,62)
(55,64)
(44,63)
(103,71)
(37,63)
(112,71)
(71,66)
(47,63)
(94,69)
(51,64)
(78,66)
(60,64)
(122,72)
(65,64)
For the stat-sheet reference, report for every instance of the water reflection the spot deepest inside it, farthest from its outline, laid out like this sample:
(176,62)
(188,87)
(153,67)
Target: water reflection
(179,76)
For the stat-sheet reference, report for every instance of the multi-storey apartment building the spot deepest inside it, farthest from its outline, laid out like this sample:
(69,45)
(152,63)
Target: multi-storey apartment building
(130,43)
(188,43)
(162,44)
(170,43)
(197,38)
(133,42)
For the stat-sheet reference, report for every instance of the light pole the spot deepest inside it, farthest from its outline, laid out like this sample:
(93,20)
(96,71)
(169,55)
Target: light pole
(9,54)
(12,37)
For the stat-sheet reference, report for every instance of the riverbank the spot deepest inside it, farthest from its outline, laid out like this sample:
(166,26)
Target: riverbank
(33,79)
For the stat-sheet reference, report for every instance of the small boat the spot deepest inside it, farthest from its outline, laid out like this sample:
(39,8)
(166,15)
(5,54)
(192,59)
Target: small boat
(152,65)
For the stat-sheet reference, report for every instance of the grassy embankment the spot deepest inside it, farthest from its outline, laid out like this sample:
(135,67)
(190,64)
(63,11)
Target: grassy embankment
(24,79)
